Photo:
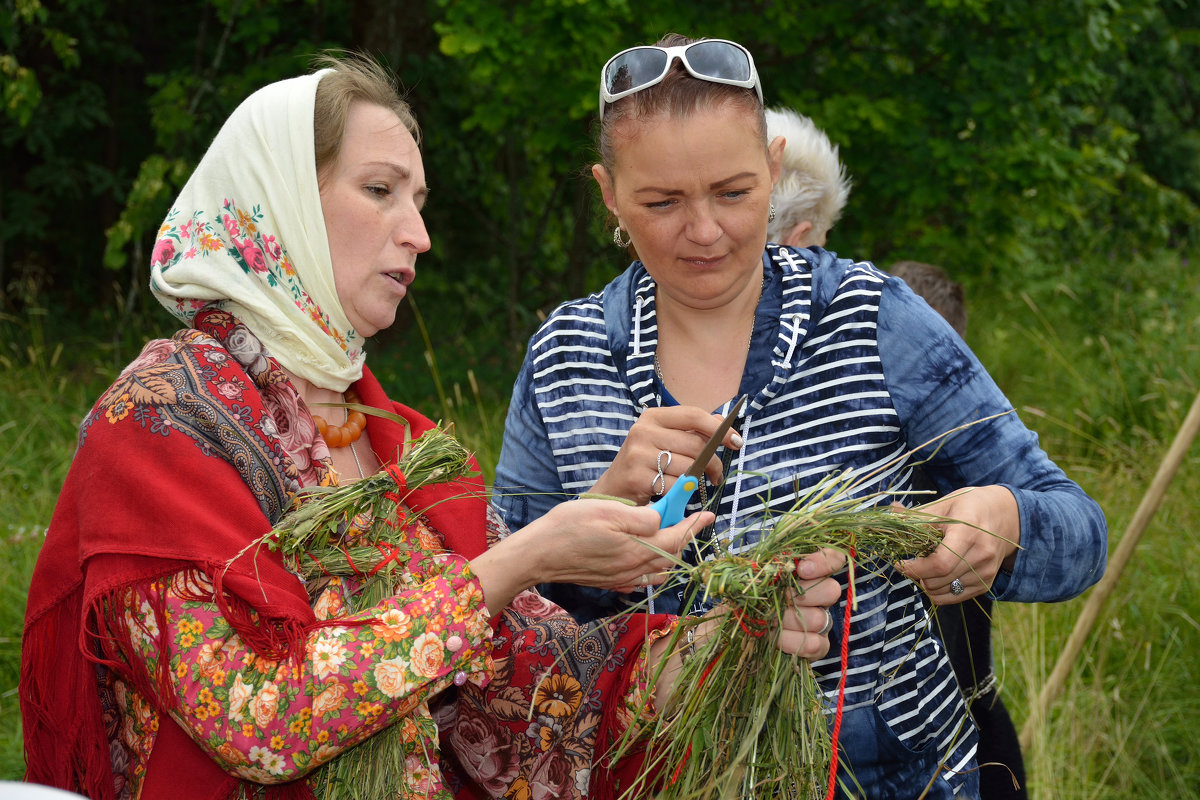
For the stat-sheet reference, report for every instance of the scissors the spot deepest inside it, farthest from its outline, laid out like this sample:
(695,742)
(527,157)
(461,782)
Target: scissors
(670,507)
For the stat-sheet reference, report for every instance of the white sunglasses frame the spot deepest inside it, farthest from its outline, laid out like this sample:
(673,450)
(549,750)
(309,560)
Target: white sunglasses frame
(679,52)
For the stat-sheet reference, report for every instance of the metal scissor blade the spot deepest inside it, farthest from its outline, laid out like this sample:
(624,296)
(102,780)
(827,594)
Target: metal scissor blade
(710,447)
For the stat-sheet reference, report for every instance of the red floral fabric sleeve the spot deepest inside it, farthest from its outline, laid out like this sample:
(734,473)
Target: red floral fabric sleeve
(273,721)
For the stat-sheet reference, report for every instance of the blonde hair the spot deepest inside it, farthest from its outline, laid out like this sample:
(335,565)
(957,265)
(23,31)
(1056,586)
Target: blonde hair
(813,184)
(353,77)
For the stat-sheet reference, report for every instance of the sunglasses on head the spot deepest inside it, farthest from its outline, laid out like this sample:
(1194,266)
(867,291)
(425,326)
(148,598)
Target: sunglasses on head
(713,60)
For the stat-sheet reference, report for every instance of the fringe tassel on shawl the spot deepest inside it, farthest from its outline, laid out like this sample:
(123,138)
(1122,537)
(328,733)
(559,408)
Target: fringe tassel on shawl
(62,723)
(113,634)
(275,639)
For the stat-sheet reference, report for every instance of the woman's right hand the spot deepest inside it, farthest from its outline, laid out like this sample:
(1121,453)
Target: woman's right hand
(681,431)
(591,542)
(803,631)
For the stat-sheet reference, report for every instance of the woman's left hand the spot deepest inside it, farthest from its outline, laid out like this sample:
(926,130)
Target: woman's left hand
(983,538)
(806,625)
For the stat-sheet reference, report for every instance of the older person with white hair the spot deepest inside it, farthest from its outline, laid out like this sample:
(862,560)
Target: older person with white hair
(813,186)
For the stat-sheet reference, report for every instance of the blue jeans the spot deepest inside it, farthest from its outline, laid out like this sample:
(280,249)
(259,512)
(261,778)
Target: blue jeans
(890,770)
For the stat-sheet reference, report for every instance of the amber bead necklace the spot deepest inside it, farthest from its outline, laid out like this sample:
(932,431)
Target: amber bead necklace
(343,435)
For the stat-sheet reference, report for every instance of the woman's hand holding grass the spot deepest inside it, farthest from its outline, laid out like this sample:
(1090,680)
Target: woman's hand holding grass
(983,539)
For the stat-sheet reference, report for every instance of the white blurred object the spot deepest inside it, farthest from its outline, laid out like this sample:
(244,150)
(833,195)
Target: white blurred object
(13,790)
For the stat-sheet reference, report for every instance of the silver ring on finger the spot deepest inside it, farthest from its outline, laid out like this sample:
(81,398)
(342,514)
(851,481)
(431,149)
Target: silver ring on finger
(828,626)
(956,587)
(658,486)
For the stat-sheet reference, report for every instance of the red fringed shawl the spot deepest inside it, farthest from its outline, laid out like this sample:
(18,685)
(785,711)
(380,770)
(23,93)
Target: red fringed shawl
(140,503)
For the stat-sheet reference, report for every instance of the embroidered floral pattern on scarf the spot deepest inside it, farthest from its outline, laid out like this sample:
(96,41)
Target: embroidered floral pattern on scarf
(238,234)
(247,233)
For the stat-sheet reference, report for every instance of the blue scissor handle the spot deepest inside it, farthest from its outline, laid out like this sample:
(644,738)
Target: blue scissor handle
(672,504)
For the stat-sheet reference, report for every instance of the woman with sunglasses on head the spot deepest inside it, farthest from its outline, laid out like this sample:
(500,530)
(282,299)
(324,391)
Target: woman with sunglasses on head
(846,371)
(167,653)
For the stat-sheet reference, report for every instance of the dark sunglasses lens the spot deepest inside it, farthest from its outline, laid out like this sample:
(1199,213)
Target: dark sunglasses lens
(633,69)
(719,60)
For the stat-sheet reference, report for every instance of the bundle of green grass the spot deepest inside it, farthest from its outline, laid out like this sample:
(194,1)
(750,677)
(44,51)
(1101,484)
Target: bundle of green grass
(747,719)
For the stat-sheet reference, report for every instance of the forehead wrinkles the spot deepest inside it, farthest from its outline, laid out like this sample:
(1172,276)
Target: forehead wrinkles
(625,134)
(629,127)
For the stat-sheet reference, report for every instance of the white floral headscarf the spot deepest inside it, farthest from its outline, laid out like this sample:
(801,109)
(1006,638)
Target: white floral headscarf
(247,232)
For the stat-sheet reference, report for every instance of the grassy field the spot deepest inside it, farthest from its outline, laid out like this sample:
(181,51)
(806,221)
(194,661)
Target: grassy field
(1106,375)
(1102,359)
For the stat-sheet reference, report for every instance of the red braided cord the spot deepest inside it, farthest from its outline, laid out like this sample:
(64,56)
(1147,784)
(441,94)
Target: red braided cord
(391,555)
(688,753)
(398,476)
(350,561)
(841,701)
(320,566)
(760,625)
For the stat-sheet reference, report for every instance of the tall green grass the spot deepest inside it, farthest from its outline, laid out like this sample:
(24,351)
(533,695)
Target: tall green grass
(46,395)
(1102,359)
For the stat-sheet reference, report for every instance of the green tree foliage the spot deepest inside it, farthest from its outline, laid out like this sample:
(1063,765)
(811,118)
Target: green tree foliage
(1158,97)
(51,114)
(108,105)
(986,135)
(980,134)
(522,100)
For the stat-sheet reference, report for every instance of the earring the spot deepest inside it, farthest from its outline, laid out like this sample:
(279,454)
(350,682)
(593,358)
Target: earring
(618,241)
(771,213)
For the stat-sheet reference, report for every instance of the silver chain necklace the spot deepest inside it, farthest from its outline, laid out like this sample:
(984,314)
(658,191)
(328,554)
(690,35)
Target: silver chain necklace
(357,463)
(353,452)
(749,339)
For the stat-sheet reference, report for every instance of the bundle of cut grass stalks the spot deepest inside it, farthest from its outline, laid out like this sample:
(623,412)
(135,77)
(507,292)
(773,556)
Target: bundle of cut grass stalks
(312,538)
(747,719)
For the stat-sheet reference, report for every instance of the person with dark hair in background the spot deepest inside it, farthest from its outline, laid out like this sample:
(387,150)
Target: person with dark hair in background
(966,629)
(934,286)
